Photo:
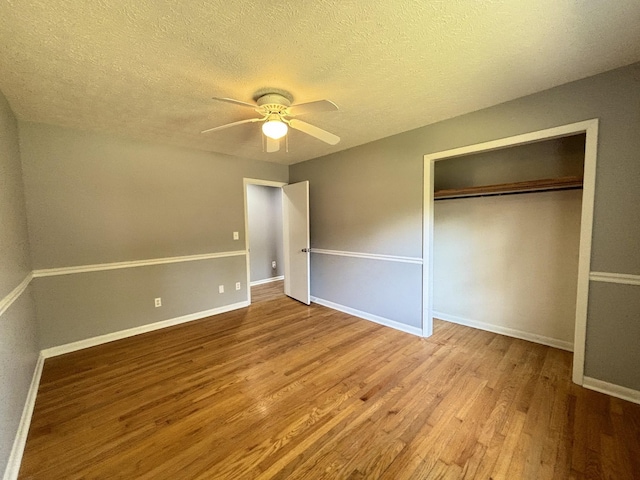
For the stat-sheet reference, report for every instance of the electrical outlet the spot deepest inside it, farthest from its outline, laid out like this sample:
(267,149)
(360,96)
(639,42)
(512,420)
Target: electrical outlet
(273,264)
(236,236)
(237,285)
(158,302)
(220,288)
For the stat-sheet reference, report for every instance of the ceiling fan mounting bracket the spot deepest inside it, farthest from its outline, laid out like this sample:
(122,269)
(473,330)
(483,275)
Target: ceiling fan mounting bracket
(282,95)
(273,99)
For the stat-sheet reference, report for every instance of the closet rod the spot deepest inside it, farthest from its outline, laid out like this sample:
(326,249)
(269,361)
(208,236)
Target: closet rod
(518,192)
(530,186)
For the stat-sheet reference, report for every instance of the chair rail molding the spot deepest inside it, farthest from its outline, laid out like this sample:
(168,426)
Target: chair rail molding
(14,294)
(49,272)
(621,278)
(370,256)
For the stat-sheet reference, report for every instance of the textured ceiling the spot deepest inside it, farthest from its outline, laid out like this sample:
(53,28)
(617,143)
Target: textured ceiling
(148,68)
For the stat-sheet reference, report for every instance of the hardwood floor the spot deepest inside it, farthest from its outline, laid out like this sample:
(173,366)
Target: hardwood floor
(281,390)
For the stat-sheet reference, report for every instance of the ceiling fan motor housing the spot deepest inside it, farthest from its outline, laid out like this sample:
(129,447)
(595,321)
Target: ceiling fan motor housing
(274,103)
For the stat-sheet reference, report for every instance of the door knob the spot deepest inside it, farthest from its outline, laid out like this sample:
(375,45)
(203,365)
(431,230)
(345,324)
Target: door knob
(306,250)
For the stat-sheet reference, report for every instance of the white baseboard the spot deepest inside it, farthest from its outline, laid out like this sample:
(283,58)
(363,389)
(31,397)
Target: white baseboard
(612,389)
(509,332)
(110,337)
(15,457)
(369,316)
(266,280)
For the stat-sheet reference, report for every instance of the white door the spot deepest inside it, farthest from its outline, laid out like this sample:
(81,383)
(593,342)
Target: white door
(295,216)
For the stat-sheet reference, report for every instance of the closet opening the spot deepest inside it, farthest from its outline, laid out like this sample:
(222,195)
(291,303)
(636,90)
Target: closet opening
(507,237)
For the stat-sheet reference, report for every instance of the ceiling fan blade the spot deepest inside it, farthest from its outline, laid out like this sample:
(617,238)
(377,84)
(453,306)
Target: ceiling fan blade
(240,122)
(314,131)
(235,102)
(273,145)
(313,107)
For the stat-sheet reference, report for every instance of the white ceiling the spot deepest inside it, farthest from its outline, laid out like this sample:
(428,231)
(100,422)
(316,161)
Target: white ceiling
(148,68)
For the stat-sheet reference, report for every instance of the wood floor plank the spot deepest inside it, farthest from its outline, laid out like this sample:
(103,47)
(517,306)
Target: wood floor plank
(281,390)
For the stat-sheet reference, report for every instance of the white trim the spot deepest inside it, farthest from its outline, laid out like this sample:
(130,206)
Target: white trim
(612,389)
(427,247)
(590,128)
(523,139)
(14,294)
(370,256)
(622,278)
(369,316)
(584,249)
(264,183)
(98,267)
(247,244)
(266,280)
(20,441)
(130,332)
(509,332)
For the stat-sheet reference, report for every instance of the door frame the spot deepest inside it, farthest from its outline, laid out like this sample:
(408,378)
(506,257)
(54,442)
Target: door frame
(264,183)
(588,127)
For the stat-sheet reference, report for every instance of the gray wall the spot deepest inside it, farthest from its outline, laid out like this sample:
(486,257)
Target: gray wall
(369,198)
(84,305)
(94,198)
(264,211)
(14,241)
(18,341)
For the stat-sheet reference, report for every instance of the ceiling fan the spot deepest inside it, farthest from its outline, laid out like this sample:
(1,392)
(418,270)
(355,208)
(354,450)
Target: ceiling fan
(277,115)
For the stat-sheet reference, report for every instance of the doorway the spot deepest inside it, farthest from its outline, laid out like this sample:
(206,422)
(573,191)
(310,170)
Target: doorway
(283,228)
(590,129)
(264,229)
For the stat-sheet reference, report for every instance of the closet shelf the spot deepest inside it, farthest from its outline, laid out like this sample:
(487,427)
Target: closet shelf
(561,183)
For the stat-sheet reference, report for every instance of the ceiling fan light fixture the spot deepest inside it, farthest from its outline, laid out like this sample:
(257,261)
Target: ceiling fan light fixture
(274,128)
